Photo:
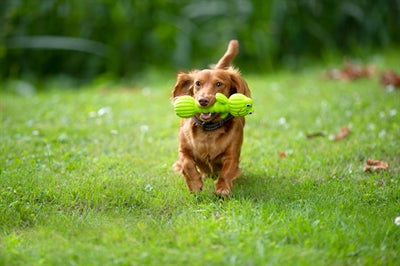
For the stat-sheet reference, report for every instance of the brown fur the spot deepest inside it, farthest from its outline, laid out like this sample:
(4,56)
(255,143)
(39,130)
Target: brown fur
(203,152)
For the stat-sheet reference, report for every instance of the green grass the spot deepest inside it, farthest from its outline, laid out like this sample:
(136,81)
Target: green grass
(86,177)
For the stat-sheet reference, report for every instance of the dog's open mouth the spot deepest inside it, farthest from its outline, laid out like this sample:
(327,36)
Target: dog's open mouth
(206,116)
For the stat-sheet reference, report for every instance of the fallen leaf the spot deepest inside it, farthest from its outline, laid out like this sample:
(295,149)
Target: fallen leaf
(390,78)
(375,165)
(344,131)
(282,154)
(351,71)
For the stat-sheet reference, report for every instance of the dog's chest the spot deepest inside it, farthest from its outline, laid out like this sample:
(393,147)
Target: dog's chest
(208,145)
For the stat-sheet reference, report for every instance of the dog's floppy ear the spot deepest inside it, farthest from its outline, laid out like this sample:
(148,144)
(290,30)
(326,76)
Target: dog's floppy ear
(239,85)
(184,84)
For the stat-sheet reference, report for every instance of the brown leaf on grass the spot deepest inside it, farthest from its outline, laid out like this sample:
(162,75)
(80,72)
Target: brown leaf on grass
(282,154)
(390,78)
(351,71)
(375,165)
(344,131)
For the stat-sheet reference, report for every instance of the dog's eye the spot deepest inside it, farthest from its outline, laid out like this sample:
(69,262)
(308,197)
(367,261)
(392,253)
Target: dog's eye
(219,84)
(198,84)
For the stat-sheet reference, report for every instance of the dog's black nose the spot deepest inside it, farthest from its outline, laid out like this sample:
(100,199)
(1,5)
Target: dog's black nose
(203,101)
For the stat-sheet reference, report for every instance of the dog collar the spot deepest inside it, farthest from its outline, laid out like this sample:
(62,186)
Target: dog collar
(209,126)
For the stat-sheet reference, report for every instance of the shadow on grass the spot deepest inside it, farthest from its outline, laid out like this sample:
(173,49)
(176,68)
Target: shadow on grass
(263,188)
(256,187)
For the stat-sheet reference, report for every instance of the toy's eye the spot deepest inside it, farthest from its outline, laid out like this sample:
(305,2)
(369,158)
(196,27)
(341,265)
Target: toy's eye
(248,105)
(250,113)
(198,84)
(219,84)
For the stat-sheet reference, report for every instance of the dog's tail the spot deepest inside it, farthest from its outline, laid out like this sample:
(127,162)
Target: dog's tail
(231,52)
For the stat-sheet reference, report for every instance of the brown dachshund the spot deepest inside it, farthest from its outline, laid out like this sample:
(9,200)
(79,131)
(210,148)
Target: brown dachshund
(209,145)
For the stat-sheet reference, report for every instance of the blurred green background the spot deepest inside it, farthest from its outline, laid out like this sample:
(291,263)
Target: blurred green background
(120,38)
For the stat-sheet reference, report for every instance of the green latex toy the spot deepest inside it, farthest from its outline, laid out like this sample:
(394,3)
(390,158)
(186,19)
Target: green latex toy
(237,105)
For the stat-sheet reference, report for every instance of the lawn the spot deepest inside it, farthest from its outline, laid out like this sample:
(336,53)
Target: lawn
(86,176)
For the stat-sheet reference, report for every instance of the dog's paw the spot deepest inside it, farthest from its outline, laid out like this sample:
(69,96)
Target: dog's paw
(223,188)
(223,193)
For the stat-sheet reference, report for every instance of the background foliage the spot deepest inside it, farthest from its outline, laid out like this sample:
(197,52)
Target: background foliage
(85,38)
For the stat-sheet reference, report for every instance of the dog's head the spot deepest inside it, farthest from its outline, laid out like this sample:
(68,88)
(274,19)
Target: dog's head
(204,84)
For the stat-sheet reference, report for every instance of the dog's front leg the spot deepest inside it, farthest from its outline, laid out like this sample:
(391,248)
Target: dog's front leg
(187,166)
(229,172)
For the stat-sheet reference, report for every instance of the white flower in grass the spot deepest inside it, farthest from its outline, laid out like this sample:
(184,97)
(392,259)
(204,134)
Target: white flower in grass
(144,128)
(92,114)
(397,220)
(104,110)
(148,187)
(282,121)
(390,88)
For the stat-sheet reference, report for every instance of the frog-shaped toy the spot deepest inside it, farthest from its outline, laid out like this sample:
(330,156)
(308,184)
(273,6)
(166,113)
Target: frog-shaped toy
(237,105)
